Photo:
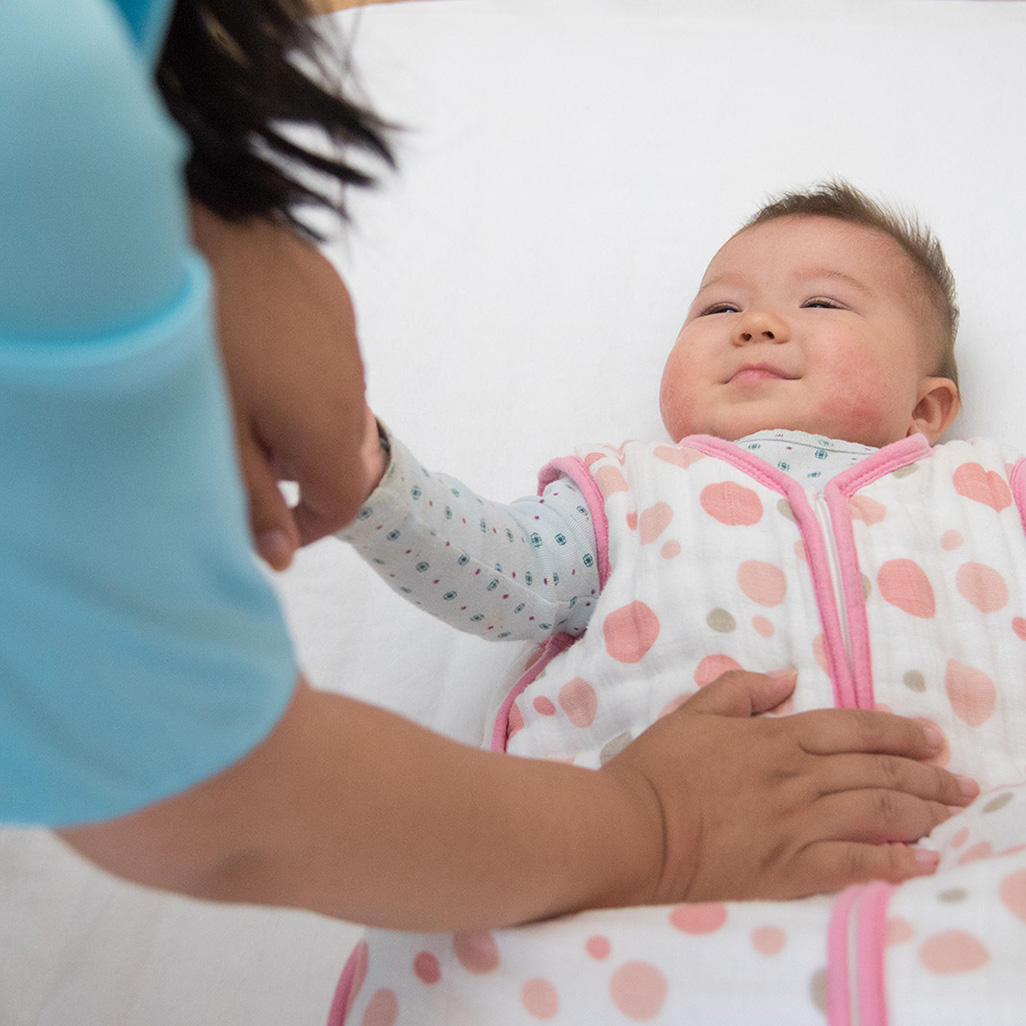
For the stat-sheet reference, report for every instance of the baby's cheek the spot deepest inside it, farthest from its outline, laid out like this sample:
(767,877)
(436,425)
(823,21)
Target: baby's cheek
(675,398)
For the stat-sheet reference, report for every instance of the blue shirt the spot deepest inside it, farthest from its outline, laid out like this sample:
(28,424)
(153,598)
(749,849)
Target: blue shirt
(141,649)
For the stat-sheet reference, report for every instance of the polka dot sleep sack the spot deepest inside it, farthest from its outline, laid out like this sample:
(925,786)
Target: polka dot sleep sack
(900,584)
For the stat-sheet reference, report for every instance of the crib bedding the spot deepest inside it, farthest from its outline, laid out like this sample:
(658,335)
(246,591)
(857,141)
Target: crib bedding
(566,169)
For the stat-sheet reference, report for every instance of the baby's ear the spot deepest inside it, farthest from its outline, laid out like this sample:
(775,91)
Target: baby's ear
(936,408)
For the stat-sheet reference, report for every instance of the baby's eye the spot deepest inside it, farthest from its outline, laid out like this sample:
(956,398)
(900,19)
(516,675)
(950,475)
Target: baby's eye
(822,303)
(718,308)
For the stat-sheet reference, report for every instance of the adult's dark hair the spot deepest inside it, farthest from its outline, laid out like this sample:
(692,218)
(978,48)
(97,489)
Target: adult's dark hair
(233,73)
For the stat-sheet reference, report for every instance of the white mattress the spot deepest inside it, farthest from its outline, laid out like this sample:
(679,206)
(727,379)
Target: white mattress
(567,170)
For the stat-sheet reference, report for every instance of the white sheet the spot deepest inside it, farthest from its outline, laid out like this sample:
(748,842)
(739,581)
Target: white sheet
(567,170)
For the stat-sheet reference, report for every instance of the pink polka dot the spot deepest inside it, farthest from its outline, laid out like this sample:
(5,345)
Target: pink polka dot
(1019,626)
(903,584)
(653,521)
(639,990)
(868,510)
(678,457)
(769,940)
(598,947)
(820,653)
(544,706)
(698,919)
(630,632)
(975,852)
(960,837)
(899,931)
(800,553)
(952,951)
(731,504)
(712,666)
(971,692)
(382,1009)
(477,951)
(1013,893)
(951,540)
(540,999)
(982,586)
(763,626)
(577,698)
(593,458)
(610,480)
(426,967)
(670,550)
(986,486)
(762,582)
(632,520)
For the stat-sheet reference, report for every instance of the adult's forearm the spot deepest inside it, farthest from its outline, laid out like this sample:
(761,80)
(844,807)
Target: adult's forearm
(353,812)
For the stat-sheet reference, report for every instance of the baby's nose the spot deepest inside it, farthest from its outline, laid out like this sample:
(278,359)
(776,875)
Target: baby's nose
(760,326)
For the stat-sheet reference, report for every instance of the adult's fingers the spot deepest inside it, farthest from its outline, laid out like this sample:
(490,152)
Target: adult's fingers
(828,731)
(877,816)
(740,693)
(832,865)
(275,536)
(857,771)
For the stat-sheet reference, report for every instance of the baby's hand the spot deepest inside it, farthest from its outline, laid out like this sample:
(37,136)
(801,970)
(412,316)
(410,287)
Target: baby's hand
(785,807)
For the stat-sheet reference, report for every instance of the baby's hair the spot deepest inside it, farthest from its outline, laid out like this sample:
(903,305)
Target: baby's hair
(841,200)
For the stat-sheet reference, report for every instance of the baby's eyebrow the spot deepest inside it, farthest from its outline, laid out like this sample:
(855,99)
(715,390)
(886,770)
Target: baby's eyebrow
(831,274)
(720,279)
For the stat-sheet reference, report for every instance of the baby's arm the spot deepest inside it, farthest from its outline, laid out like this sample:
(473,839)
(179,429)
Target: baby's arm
(524,570)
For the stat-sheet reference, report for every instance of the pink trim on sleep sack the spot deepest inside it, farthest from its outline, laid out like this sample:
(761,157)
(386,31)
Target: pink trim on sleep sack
(577,470)
(1018,481)
(556,644)
(856,942)
(837,493)
(348,985)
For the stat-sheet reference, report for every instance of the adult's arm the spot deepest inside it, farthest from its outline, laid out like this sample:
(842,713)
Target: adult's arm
(350,811)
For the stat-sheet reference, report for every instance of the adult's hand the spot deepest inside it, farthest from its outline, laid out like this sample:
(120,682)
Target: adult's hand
(288,337)
(786,807)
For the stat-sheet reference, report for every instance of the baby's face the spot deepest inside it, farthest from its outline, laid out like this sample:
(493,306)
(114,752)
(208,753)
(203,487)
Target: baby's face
(803,322)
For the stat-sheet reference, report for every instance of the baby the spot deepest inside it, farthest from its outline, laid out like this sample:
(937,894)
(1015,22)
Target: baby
(804,516)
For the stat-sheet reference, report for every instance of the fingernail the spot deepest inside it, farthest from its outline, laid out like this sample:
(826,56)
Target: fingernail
(927,861)
(968,787)
(790,674)
(933,735)
(275,547)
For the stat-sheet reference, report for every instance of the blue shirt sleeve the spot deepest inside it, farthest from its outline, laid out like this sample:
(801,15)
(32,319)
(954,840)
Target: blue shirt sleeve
(141,649)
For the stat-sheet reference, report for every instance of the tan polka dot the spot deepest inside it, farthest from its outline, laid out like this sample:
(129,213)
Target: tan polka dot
(818,989)
(722,621)
(953,895)
(998,802)
(915,681)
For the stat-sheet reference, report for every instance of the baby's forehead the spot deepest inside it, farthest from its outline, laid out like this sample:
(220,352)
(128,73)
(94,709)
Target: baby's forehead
(809,243)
